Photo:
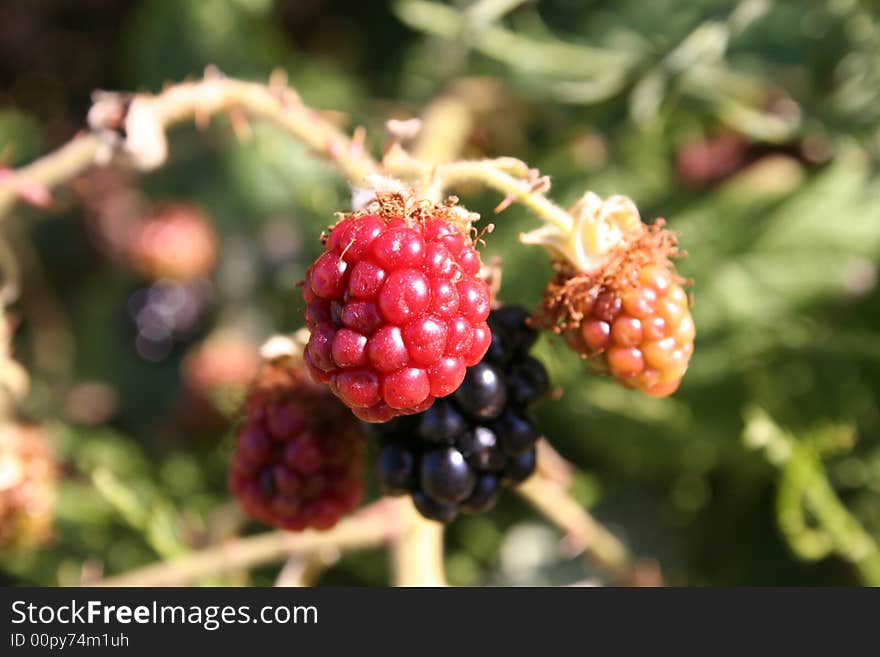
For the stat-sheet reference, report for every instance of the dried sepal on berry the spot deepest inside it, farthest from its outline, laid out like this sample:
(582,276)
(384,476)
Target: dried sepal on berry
(395,305)
(616,297)
(28,476)
(298,459)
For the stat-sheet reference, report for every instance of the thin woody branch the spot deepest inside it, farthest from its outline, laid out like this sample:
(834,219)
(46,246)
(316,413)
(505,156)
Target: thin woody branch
(370,527)
(416,547)
(547,491)
(49,171)
(416,544)
(583,532)
(512,177)
(417,551)
(137,125)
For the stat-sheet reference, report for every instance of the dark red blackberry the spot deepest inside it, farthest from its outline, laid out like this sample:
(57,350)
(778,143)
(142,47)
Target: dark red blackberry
(456,455)
(299,453)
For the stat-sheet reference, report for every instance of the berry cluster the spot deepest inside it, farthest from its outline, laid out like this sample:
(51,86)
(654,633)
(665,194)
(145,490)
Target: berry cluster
(177,241)
(396,309)
(299,454)
(456,455)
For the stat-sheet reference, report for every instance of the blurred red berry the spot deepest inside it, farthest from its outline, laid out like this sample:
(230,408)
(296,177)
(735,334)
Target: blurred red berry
(395,308)
(178,242)
(298,459)
(216,374)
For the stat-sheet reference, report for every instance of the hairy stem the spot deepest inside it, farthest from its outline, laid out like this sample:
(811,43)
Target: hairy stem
(144,119)
(527,192)
(50,170)
(510,176)
(148,116)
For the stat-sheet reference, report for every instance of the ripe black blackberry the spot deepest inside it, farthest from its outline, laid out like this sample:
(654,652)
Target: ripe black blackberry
(456,455)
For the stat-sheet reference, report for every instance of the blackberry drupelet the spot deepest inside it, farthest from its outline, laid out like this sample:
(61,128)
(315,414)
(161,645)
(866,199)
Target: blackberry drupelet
(455,456)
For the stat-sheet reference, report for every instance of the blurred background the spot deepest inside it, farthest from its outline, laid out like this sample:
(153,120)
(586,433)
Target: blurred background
(753,126)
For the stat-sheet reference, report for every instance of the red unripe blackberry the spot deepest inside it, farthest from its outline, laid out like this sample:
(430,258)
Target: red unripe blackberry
(177,241)
(395,308)
(27,487)
(298,459)
(616,297)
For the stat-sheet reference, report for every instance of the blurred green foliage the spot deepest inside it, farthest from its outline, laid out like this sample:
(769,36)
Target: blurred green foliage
(752,126)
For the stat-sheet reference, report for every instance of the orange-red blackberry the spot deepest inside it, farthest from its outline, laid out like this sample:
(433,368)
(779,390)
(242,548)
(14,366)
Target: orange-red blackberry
(616,296)
(177,241)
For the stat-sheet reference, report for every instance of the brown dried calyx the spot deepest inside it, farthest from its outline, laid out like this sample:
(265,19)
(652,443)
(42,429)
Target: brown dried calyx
(571,291)
(391,199)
